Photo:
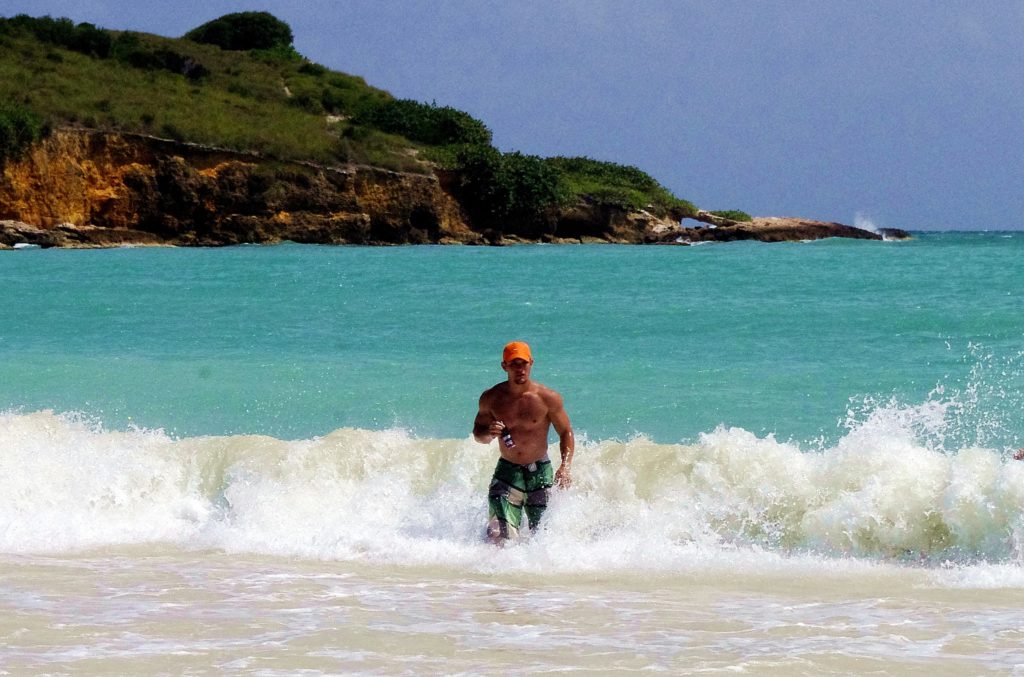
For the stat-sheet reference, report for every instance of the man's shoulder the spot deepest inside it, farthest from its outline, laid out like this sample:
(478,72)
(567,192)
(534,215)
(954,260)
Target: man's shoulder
(549,395)
(495,390)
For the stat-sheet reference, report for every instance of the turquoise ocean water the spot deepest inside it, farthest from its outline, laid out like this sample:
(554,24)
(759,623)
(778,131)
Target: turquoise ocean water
(296,341)
(790,457)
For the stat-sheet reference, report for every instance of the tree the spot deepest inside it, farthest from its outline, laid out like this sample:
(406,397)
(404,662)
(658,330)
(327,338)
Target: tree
(508,191)
(244,31)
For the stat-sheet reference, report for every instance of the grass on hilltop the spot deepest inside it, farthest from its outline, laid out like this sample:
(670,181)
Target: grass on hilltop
(272,103)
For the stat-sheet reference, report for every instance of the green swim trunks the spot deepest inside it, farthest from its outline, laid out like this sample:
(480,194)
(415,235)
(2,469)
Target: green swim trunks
(512,487)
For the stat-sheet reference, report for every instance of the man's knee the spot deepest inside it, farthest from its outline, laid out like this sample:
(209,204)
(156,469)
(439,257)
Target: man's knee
(499,531)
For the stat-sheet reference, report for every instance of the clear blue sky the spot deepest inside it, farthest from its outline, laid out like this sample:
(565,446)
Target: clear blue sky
(901,113)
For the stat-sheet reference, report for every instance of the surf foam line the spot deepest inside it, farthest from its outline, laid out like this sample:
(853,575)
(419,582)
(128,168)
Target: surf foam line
(383,496)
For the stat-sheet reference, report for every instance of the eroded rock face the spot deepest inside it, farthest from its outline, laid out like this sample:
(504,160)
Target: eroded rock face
(88,188)
(589,221)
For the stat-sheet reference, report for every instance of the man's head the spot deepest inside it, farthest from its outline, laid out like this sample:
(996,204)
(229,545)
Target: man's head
(517,350)
(517,360)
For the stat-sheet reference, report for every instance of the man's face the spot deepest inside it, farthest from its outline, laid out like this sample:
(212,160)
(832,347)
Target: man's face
(518,370)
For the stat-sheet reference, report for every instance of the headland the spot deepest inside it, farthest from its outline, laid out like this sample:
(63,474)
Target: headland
(227,136)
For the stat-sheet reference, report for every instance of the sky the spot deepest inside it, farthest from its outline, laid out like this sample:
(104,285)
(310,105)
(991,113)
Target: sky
(878,113)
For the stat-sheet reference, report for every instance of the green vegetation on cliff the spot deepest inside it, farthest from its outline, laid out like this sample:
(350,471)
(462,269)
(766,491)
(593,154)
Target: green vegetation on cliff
(733,215)
(238,83)
(619,185)
(508,191)
(427,124)
(19,129)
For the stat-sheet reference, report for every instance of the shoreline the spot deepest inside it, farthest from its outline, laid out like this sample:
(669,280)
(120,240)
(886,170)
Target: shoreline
(16,235)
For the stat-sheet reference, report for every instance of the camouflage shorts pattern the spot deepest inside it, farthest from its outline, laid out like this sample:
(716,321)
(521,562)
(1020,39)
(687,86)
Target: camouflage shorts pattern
(513,488)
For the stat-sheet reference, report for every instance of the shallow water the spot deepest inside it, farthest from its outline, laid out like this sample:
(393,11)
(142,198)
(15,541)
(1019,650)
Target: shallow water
(135,612)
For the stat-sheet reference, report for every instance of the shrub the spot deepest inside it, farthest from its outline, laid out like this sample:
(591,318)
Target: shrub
(129,49)
(239,88)
(244,31)
(332,100)
(508,190)
(91,40)
(606,172)
(733,215)
(311,68)
(618,185)
(19,129)
(307,102)
(426,123)
(278,54)
(84,37)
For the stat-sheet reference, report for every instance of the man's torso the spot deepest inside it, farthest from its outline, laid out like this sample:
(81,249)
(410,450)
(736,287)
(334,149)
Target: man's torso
(526,416)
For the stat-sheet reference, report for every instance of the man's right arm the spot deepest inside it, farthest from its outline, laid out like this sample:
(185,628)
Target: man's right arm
(482,423)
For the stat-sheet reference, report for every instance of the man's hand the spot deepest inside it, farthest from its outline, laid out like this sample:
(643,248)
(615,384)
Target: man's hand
(496,428)
(562,478)
(1019,456)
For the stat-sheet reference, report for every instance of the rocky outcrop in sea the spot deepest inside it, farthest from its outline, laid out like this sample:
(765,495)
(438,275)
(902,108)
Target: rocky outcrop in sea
(767,229)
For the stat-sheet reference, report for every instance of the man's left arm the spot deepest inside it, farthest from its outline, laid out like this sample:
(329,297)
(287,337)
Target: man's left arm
(566,440)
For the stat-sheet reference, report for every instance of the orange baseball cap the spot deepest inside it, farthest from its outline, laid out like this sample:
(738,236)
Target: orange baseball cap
(517,350)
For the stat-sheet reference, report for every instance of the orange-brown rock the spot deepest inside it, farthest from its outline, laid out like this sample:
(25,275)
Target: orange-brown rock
(90,188)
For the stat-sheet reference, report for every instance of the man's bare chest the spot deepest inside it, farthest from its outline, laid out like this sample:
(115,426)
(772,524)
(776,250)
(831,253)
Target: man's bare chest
(525,410)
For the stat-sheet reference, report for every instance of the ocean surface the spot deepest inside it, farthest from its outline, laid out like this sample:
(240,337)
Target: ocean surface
(791,459)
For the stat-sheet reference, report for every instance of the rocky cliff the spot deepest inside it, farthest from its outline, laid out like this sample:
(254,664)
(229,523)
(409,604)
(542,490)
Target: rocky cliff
(89,188)
(86,188)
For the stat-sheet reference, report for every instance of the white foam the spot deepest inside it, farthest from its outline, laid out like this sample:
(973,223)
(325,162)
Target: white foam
(731,499)
(864,222)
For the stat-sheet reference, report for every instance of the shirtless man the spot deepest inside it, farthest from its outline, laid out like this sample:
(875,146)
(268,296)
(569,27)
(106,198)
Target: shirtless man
(520,412)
